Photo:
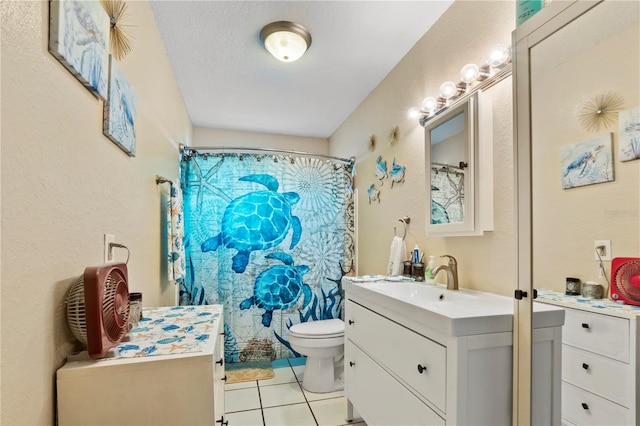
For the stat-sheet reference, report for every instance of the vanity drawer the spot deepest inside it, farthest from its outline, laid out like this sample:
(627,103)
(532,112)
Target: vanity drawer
(600,375)
(418,361)
(584,408)
(603,334)
(368,389)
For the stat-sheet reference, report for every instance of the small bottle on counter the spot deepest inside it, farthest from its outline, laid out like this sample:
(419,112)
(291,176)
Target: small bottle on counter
(428,273)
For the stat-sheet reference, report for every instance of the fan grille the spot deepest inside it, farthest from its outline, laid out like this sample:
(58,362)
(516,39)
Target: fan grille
(76,314)
(115,306)
(627,280)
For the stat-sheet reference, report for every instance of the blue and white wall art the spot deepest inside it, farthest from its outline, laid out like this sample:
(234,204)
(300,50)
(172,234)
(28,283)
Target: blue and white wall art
(587,162)
(79,39)
(119,122)
(629,131)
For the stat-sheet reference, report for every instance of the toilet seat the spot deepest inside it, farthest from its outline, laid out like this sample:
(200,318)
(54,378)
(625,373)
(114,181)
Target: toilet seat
(318,329)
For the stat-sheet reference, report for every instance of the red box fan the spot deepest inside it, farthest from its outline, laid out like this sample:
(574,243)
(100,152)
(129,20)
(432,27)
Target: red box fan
(625,279)
(98,307)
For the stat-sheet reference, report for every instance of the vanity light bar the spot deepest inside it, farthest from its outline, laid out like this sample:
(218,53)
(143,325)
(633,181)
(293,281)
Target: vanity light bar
(472,79)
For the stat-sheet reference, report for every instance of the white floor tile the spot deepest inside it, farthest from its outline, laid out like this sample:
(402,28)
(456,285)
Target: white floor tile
(330,412)
(241,385)
(281,375)
(289,415)
(286,393)
(311,396)
(241,400)
(245,418)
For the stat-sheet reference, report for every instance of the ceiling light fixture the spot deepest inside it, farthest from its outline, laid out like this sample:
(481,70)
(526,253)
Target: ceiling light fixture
(285,40)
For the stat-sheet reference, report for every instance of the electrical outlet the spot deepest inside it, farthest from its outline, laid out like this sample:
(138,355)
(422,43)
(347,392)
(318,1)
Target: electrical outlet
(108,239)
(605,253)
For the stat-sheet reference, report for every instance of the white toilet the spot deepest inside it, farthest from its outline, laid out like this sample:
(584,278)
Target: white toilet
(323,343)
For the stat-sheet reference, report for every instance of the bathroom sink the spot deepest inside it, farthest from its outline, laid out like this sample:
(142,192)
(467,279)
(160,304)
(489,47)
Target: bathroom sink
(460,312)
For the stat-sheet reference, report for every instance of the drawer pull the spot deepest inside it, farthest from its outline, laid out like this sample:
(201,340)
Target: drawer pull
(224,379)
(421,369)
(351,322)
(223,422)
(221,362)
(351,363)
(585,325)
(585,366)
(585,406)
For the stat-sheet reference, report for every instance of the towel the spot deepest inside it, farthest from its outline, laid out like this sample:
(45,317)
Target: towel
(397,255)
(175,233)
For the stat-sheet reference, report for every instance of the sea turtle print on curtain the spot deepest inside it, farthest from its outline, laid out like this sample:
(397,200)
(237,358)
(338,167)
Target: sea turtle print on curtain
(269,237)
(256,221)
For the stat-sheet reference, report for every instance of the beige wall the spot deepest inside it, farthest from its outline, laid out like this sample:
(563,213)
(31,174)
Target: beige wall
(485,262)
(237,139)
(64,185)
(598,53)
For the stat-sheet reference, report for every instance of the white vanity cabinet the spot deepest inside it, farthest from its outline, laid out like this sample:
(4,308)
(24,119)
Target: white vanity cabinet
(167,389)
(400,369)
(600,377)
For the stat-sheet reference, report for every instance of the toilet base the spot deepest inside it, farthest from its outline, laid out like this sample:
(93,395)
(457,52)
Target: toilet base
(323,375)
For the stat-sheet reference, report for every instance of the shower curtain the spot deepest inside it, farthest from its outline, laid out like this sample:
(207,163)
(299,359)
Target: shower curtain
(269,237)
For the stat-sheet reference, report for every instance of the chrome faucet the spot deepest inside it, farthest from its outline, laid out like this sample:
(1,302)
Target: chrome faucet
(452,272)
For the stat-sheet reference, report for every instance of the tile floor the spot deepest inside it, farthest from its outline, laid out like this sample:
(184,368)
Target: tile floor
(281,401)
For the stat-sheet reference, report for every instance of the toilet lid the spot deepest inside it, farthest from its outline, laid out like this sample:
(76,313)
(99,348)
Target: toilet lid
(322,328)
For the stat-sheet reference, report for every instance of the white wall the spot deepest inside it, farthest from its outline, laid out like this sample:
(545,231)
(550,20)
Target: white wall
(464,34)
(64,185)
(237,139)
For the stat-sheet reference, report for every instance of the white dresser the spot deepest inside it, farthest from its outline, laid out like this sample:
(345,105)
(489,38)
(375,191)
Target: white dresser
(170,372)
(600,376)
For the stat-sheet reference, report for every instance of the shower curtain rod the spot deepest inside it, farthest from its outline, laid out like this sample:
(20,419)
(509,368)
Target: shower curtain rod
(350,161)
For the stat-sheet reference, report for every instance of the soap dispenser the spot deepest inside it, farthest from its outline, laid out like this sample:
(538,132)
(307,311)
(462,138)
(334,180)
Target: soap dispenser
(428,274)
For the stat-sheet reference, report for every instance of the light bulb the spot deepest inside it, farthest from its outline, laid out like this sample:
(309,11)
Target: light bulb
(448,90)
(429,104)
(413,113)
(498,55)
(469,73)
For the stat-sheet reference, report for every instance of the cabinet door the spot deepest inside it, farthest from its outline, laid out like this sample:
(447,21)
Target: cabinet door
(219,379)
(379,398)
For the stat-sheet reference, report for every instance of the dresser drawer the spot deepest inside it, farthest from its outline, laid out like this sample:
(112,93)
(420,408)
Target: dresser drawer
(600,375)
(584,408)
(603,334)
(368,387)
(420,362)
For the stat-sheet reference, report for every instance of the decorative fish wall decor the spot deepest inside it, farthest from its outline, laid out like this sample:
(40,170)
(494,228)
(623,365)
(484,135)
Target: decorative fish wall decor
(397,173)
(381,169)
(374,193)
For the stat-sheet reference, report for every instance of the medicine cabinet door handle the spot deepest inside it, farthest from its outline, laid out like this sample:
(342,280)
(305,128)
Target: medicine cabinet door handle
(351,322)
(585,366)
(585,325)
(421,369)
(585,406)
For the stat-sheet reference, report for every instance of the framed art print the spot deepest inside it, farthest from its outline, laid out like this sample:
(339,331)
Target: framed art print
(119,121)
(79,39)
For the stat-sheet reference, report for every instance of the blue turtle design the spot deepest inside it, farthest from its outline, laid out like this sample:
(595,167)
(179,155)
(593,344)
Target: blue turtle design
(258,220)
(278,287)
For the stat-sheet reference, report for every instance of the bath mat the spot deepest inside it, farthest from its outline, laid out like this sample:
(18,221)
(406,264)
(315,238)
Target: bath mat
(248,371)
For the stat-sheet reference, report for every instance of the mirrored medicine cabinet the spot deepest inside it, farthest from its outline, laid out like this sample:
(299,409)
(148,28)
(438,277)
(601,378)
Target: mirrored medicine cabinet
(459,159)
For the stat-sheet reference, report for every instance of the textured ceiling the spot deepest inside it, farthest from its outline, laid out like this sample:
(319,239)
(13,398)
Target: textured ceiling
(229,81)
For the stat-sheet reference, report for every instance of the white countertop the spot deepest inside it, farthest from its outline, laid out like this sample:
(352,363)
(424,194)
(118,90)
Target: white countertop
(601,306)
(460,312)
